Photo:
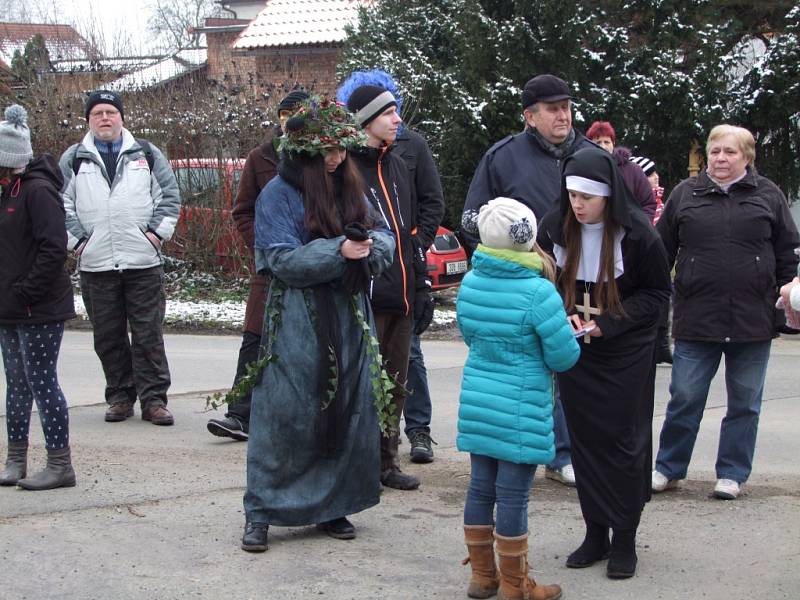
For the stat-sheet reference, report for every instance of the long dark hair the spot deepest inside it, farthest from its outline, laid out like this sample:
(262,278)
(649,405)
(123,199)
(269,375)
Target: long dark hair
(331,200)
(607,293)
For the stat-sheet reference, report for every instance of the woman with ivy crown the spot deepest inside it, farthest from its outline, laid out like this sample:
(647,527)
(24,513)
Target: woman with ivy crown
(613,276)
(312,457)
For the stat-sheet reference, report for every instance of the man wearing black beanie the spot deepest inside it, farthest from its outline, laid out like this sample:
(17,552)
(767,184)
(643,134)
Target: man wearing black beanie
(388,187)
(260,167)
(122,202)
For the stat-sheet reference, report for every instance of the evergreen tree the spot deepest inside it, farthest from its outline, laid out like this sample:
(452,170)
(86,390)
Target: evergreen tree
(766,100)
(663,72)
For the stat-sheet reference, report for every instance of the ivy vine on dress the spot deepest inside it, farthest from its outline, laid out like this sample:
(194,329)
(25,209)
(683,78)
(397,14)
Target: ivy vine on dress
(382,383)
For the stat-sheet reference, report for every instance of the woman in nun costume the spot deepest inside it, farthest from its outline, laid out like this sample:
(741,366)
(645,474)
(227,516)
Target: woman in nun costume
(613,276)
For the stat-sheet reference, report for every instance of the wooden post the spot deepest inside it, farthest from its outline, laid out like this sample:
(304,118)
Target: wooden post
(696,159)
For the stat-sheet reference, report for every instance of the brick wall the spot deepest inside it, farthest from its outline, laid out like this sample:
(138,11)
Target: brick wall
(271,71)
(313,69)
(226,67)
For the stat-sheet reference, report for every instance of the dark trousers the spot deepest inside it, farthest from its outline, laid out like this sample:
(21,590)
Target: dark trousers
(248,353)
(30,356)
(560,433)
(417,410)
(135,366)
(394,336)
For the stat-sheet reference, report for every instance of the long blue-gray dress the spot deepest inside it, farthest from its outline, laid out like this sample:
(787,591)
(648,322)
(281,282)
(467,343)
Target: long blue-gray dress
(290,481)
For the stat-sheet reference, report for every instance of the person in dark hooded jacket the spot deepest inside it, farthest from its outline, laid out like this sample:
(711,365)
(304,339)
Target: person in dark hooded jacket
(393,294)
(428,202)
(35,300)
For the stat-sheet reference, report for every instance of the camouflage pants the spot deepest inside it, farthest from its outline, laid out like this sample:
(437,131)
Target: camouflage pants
(116,300)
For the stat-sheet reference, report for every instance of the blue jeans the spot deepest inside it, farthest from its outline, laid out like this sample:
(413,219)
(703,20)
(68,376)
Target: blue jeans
(561,434)
(417,409)
(503,483)
(694,366)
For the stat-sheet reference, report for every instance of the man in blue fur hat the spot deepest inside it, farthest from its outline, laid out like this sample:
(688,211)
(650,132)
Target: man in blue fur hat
(428,200)
(427,196)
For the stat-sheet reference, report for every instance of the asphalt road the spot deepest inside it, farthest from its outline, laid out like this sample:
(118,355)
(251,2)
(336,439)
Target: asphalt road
(157,512)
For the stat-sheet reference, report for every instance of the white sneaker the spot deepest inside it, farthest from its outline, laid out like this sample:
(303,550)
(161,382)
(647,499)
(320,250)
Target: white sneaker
(565,475)
(660,482)
(727,489)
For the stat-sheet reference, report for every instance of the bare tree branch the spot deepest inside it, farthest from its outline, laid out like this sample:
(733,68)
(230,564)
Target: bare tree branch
(171,19)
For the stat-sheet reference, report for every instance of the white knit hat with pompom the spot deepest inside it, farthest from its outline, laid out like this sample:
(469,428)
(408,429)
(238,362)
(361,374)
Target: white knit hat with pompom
(15,138)
(507,224)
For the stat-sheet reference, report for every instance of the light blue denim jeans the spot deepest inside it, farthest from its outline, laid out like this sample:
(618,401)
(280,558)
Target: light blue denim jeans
(503,483)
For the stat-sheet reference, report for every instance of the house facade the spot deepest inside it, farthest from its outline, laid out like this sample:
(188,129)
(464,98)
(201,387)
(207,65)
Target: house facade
(289,44)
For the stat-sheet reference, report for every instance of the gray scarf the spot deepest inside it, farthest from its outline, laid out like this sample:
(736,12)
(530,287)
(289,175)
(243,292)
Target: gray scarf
(557,152)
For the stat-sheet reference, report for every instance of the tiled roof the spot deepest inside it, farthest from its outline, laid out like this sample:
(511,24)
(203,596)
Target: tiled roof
(179,64)
(62,41)
(299,22)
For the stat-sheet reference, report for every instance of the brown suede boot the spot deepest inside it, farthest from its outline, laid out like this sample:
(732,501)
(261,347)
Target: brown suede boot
(480,544)
(515,584)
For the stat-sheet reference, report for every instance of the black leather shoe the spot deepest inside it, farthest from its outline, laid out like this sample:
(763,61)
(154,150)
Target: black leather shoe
(340,528)
(395,478)
(229,427)
(255,537)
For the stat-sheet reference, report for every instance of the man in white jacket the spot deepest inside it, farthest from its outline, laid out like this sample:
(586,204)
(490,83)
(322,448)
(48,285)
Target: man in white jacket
(122,203)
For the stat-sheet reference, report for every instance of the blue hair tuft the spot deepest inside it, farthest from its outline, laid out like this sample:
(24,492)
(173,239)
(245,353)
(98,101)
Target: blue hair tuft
(373,77)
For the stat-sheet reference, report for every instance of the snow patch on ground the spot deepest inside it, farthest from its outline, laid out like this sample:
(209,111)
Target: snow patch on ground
(228,313)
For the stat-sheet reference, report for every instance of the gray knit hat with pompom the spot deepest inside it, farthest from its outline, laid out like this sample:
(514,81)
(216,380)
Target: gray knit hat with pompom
(15,138)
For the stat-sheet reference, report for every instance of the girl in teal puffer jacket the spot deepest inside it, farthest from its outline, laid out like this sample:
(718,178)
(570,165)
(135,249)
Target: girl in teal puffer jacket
(513,320)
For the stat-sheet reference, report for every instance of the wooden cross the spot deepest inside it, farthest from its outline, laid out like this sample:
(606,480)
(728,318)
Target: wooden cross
(588,310)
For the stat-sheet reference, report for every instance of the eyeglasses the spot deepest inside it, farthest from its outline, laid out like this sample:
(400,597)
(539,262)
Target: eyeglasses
(98,114)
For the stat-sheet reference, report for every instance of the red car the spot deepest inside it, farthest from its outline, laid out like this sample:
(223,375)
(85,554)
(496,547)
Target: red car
(208,188)
(205,227)
(447,260)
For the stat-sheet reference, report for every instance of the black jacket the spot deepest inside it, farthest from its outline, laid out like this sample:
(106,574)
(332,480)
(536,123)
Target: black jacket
(387,181)
(34,284)
(732,249)
(518,167)
(426,187)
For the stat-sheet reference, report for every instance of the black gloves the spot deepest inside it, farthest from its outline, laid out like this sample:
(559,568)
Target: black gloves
(356,274)
(423,309)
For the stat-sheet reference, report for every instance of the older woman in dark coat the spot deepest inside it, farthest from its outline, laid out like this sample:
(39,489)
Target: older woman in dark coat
(730,235)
